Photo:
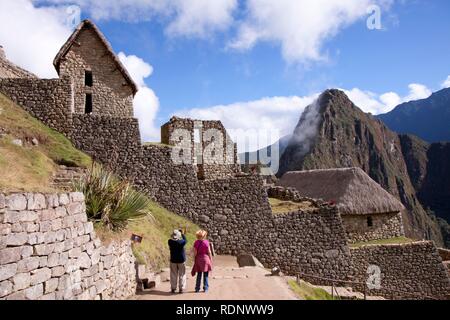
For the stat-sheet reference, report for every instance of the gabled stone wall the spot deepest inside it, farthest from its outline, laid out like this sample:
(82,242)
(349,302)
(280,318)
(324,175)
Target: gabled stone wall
(111,94)
(49,250)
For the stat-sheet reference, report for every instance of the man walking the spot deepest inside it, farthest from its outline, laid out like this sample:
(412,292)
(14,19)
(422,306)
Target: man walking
(177,260)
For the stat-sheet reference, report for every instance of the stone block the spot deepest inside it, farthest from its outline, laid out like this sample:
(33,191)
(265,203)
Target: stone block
(53,200)
(43,249)
(48,214)
(35,292)
(51,285)
(36,201)
(61,212)
(53,260)
(74,208)
(9,255)
(40,276)
(84,262)
(28,264)
(2,201)
(64,199)
(7,271)
(6,288)
(21,281)
(76,197)
(27,251)
(17,202)
(58,271)
(16,239)
(5,229)
(75,252)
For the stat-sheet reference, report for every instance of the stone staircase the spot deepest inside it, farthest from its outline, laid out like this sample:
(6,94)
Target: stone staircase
(65,176)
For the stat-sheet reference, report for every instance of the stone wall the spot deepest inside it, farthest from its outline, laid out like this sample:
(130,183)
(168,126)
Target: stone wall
(408,271)
(111,94)
(47,100)
(109,140)
(383,226)
(49,250)
(205,144)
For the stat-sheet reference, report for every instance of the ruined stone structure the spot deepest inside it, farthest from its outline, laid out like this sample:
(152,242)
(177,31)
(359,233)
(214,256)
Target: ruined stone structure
(205,144)
(49,250)
(368,211)
(232,206)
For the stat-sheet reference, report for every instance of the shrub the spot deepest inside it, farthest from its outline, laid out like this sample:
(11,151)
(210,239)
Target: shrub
(111,201)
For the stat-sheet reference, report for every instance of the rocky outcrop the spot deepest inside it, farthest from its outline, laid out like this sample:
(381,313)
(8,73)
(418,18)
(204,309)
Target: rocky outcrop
(334,133)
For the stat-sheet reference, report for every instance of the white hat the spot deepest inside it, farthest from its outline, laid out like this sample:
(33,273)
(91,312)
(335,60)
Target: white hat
(176,235)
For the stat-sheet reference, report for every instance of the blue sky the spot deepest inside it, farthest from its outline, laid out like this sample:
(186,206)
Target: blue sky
(253,63)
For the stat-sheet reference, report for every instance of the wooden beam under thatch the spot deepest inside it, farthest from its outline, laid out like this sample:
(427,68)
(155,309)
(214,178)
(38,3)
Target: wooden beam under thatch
(353,191)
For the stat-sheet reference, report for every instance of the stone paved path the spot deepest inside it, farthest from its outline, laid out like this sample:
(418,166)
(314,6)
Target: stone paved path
(228,282)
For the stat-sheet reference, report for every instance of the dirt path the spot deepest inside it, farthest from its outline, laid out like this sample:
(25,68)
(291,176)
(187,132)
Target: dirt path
(227,282)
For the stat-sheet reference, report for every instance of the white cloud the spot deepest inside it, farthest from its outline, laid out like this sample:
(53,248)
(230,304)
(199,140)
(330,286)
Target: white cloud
(146,103)
(446,83)
(300,27)
(417,91)
(32,36)
(383,103)
(276,116)
(279,115)
(199,18)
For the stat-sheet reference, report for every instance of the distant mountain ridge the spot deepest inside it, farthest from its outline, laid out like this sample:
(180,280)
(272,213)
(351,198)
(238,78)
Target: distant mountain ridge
(334,133)
(429,119)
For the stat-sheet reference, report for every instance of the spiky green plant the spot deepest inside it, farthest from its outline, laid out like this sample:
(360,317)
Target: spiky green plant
(111,201)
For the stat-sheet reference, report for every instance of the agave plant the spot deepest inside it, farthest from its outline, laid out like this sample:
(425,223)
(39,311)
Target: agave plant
(110,200)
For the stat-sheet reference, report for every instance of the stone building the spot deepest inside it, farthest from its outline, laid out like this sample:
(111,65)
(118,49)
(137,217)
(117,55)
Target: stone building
(102,85)
(368,211)
(204,144)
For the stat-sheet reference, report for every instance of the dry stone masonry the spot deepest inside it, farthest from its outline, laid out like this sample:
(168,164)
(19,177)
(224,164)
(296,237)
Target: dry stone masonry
(49,250)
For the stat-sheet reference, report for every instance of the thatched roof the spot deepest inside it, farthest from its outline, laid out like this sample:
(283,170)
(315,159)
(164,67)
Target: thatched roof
(87,24)
(353,191)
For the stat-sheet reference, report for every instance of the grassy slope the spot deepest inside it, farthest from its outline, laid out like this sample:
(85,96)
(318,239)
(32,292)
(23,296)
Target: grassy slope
(280,206)
(156,230)
(29,168)
(307,292)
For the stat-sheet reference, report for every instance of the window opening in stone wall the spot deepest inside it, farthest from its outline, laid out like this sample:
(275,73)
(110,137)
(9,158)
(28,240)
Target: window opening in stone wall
(370,222)
(88,104)
(88,78)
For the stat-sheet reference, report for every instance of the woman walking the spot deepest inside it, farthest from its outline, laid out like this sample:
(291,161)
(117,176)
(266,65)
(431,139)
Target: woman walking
(203,260)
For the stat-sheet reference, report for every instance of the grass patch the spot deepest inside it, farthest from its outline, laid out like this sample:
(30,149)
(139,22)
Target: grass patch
(280,206)
(398,240)
(157,144)
(306,291)
(154,250)
(29,168)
